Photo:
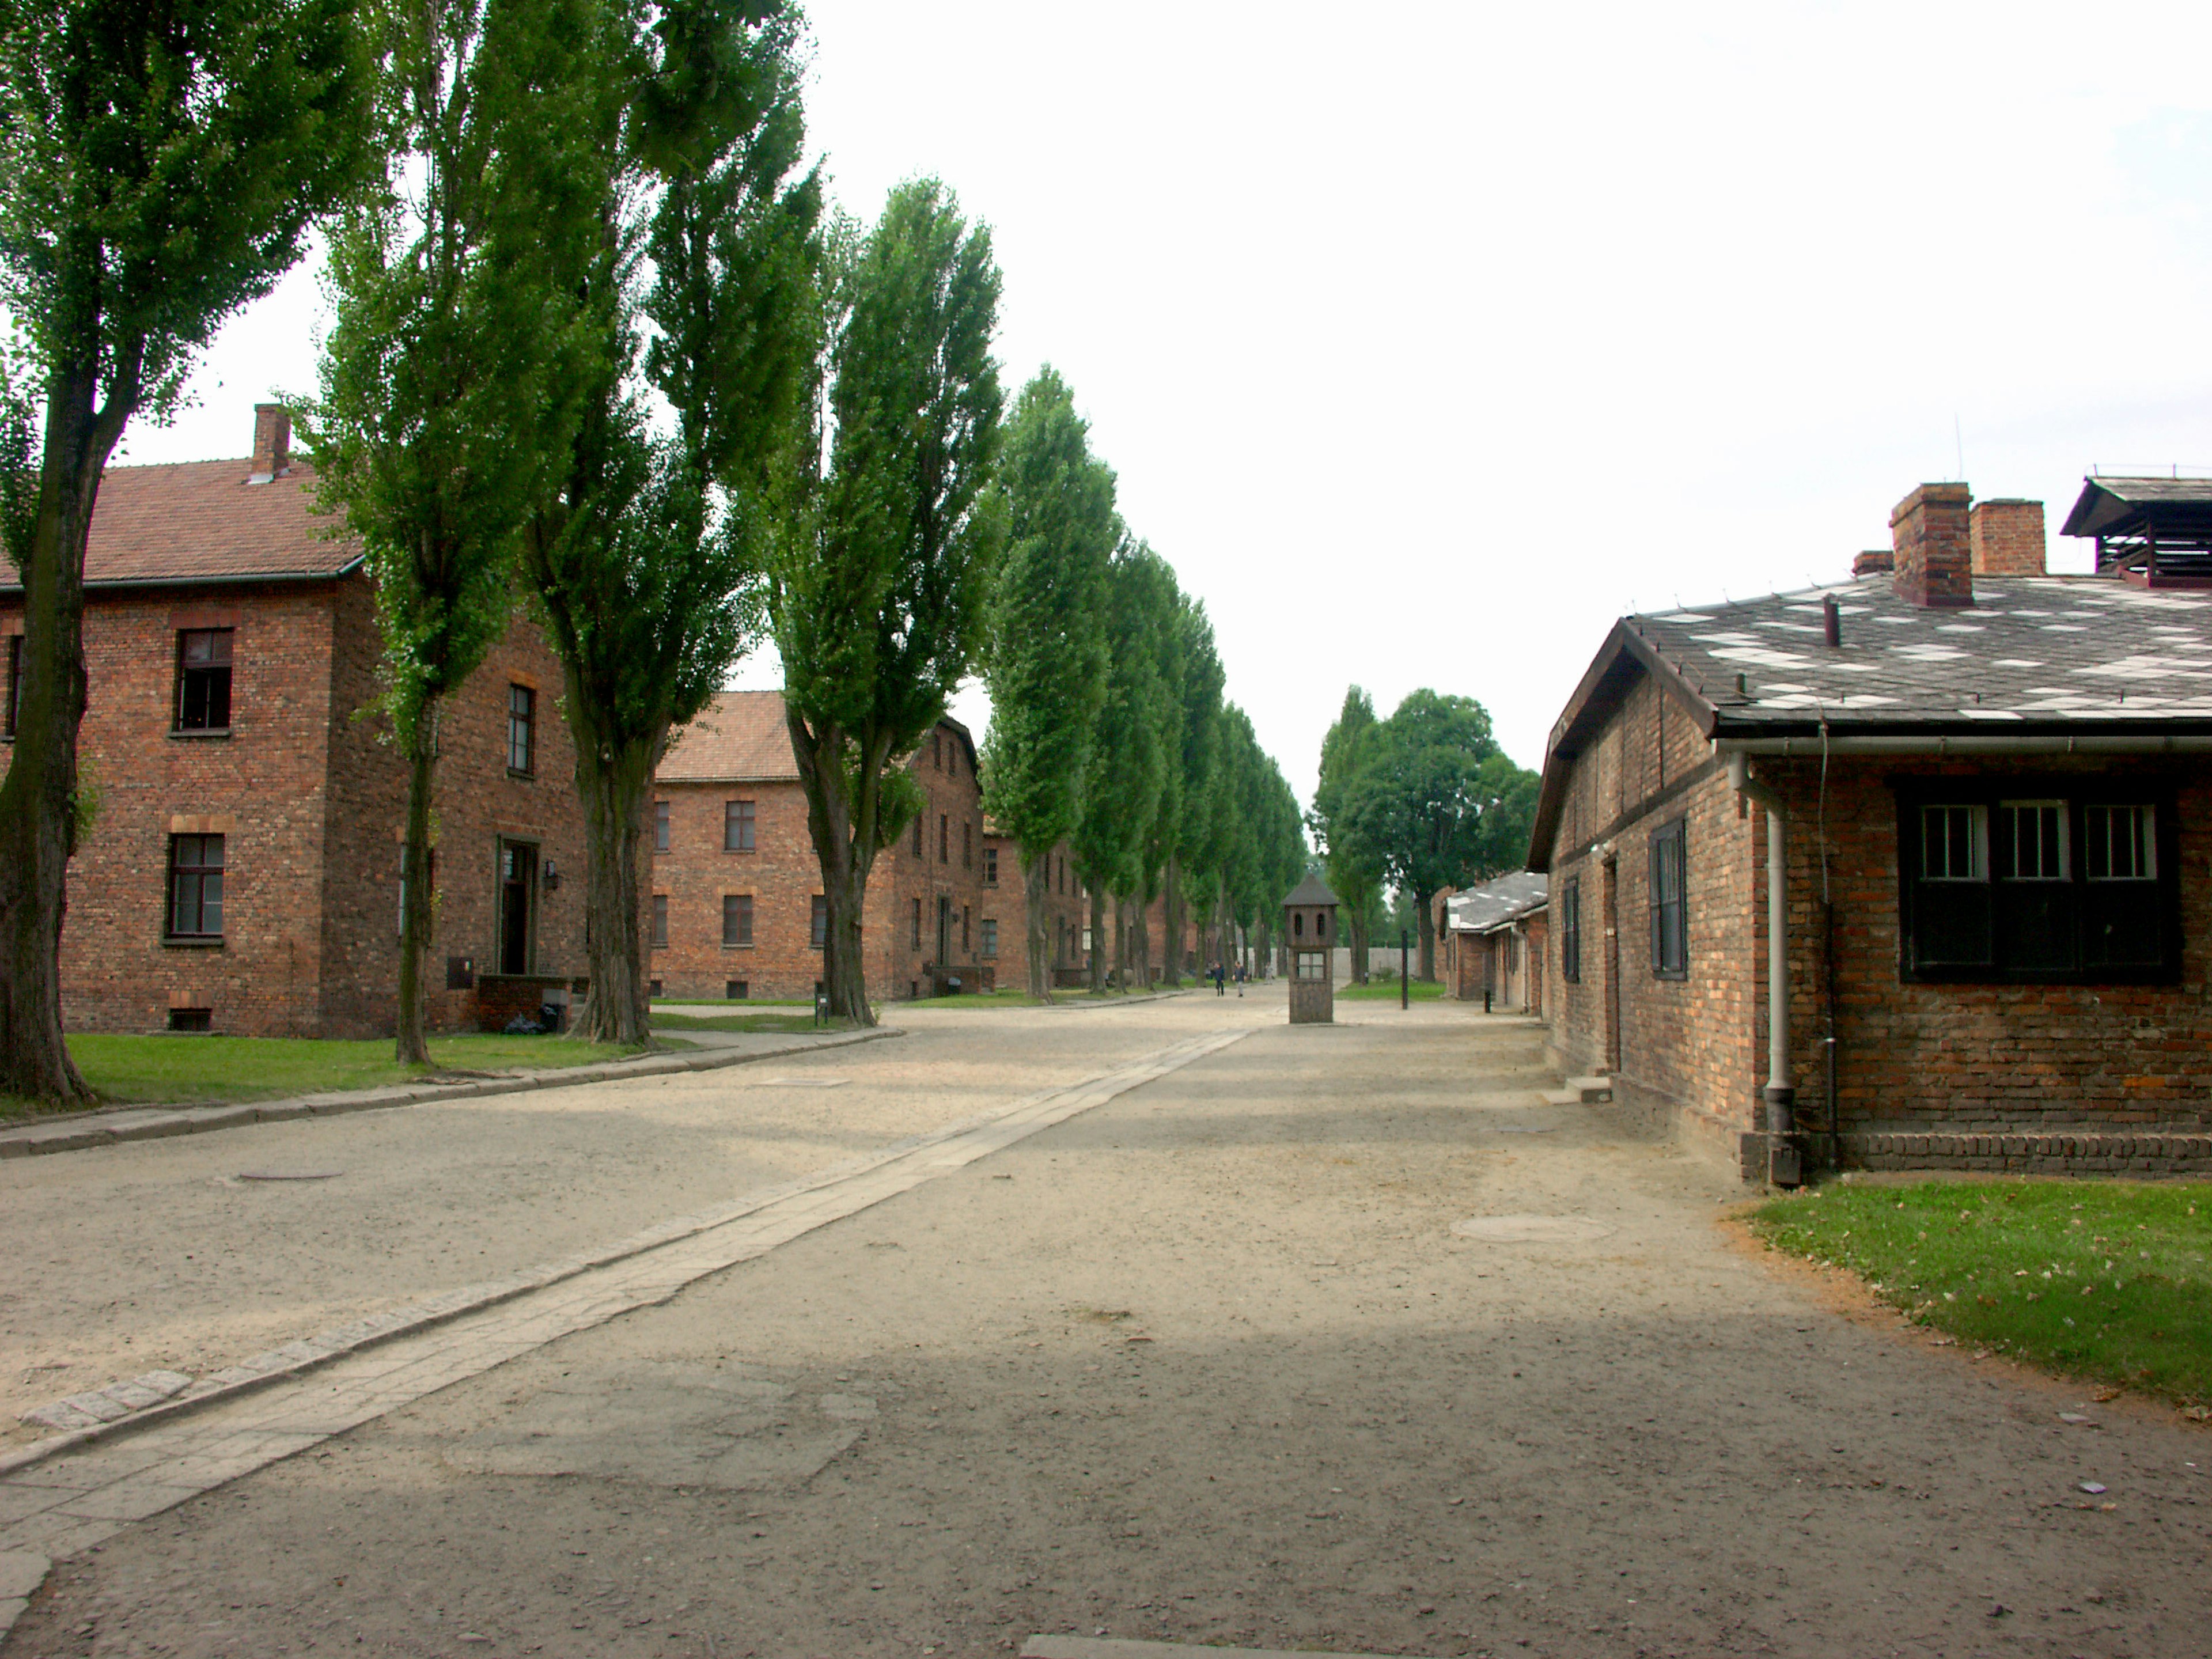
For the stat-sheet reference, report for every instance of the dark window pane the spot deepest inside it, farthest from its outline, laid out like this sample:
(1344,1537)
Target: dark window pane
(196,866)
(203,680)
(660,921)
(738,821)
(819,929)
(2122,925)
(737,919)
(1951,924)
(660,826)
(522,728)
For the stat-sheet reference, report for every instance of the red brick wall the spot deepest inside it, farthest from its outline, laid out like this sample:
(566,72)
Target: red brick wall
(783,874)
(1685,1042)
(1067,912)
(309,805)
(1964,1057)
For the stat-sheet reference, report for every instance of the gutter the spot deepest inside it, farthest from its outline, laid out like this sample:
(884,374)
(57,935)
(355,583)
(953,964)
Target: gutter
(271,579)
(1976,743)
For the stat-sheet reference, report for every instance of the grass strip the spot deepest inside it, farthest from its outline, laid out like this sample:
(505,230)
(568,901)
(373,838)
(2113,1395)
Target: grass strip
(670,1024)
(1385,990)
(2109,1281)
(125,1070)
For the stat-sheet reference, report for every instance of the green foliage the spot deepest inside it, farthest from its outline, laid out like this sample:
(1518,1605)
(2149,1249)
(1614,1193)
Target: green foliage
(19,462)
(879,575)
(1123,796)
(1046,660)
(159,167)
(1433,800)
(2106,1280)
(1354,868)
(877,593)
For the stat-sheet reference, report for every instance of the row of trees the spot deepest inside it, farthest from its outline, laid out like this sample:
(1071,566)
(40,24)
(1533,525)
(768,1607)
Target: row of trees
(1108,728)
(1422,801)
(596,336)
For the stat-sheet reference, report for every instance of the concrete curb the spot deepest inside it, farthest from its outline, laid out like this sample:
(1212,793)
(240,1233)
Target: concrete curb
(82,1131)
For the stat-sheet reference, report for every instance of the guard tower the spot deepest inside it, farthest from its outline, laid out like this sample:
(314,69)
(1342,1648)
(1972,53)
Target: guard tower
(2155,532)
(1310,928)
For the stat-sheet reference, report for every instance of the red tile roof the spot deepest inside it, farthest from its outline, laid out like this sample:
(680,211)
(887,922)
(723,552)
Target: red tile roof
(741,735)
(200,520)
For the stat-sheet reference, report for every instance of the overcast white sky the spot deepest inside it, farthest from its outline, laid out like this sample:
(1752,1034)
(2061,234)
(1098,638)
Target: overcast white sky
(1426,341)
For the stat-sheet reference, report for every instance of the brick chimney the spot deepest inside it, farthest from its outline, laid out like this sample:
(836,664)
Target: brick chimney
(2006,538)
(1875,562)
(1929,530)
(272,443)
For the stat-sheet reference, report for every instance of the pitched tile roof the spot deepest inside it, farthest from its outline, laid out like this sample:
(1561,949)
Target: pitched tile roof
(740,737)
(2033,652)
(1496,902)
(198,521)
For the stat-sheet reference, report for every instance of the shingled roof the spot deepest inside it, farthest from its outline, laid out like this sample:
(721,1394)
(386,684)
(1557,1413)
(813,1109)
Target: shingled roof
(1495,903)
(742,737)
(193,523)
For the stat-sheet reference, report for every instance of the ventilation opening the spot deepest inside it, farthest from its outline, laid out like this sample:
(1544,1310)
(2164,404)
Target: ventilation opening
(192,1020)
(652,987)
(737,990)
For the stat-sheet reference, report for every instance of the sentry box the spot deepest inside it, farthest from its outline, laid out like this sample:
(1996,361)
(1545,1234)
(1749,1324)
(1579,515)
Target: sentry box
(1309,929)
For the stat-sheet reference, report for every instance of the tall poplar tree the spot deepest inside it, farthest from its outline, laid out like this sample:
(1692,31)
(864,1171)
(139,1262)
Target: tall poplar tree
(1355,872)
(449,394)
(1046,660)
(160,163)
(879,583)
(1128,755)
(1191,850)
(647,557)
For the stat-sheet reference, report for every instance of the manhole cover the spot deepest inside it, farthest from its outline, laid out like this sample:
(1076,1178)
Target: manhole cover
(289,1175)
(1531,1228)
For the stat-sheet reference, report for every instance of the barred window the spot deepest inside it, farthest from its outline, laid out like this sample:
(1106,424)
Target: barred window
(737,919)
(1570,930)
(196,867)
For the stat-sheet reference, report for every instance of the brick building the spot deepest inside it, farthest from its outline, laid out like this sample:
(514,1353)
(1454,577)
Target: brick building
(1954,812)
(1006,905)
(1492,943)
(737,906)
(243,872)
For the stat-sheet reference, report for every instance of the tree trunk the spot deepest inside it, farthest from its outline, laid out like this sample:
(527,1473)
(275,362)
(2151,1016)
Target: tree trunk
(418,916)
(1359,946)
(1171,947)
(1097,938)
(616,785)
(844,834)
(1140,946)
(1428,936)
(1037,887)
(39,800)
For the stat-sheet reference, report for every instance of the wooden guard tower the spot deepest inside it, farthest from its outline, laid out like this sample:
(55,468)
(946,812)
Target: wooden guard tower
(1309,929)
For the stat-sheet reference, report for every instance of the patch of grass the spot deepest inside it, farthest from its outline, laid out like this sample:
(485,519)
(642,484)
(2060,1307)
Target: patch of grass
(731,1002)
(1385,990)
(126,1070)
(670,1023)
(2111,1281)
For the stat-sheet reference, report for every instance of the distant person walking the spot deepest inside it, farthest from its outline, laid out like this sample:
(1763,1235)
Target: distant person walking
(1220,982)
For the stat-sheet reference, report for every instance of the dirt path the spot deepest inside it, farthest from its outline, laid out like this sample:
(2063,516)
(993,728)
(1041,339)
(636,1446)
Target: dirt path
(161,1256)
(1209,1363)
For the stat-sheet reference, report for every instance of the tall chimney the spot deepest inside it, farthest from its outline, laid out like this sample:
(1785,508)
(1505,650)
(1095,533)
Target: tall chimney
(2006,538)
(1929,529)
(272,441)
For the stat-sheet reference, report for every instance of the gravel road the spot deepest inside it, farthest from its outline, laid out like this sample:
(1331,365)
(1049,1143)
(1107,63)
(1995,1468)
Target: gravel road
(1336,1339)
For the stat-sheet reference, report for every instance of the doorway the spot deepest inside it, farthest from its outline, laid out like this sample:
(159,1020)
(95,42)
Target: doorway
(944,929)
(518,906)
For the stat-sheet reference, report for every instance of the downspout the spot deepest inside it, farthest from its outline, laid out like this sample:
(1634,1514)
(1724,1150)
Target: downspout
(1780,1097)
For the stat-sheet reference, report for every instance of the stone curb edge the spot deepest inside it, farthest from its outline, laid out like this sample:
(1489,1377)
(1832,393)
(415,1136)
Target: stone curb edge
(310,1353)
(203,1120)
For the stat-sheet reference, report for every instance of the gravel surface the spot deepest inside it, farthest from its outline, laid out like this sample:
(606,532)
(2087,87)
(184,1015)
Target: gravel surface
(1217,1363)
(166,1255)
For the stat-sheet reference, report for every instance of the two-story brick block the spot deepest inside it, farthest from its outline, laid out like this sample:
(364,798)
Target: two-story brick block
(242,874)
(737,905)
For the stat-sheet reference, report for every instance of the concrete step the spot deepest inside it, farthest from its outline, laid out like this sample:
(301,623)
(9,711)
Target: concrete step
(1590,1091)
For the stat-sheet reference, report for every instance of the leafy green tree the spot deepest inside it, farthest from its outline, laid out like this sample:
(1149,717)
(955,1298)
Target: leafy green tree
(1192,848)
(879,582)
(647,557)
(159,166)
(1354,870)
(1422,799)
(1045,664)
(449,395)
(1129,758)
(1162,604)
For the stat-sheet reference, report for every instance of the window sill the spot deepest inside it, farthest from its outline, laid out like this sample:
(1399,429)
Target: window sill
(200,735)
(746,946)
(213,942)
(521,777)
